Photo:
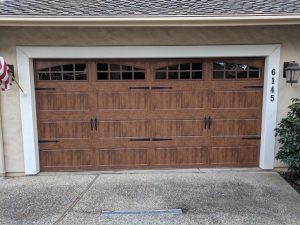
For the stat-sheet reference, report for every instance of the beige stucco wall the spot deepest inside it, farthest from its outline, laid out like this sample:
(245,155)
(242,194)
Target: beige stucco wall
(287,36)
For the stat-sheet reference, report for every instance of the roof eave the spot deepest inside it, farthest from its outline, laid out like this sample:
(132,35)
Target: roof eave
(184,21)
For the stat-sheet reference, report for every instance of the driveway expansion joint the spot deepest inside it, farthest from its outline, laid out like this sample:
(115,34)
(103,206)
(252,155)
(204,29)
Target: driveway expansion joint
(72,205)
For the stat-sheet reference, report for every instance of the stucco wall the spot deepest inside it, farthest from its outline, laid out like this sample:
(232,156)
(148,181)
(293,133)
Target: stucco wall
(287,36)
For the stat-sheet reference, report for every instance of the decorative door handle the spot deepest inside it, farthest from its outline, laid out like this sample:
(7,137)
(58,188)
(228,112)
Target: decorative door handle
(92,126)
(96,124)
(205,122)
(48,141)
(140,139)
(209,122)
(161,139)
(139,88)
(158,88)
(250,138)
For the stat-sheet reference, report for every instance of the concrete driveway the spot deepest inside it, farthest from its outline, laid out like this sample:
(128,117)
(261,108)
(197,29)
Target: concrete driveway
(206,197)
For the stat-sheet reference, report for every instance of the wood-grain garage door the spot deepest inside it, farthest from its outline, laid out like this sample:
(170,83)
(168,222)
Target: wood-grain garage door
(152,113)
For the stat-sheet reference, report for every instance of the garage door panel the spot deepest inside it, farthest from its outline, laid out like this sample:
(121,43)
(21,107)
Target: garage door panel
(180,156)
(235,127)
(178,128)
(123,129)
(68,159)
(121,157)
(234,155)
(178,100)
(236,99)
(64,130)
(62,102)
(122,101)
(149,113)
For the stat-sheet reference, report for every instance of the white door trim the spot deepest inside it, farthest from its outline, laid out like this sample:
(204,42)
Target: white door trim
(25,54)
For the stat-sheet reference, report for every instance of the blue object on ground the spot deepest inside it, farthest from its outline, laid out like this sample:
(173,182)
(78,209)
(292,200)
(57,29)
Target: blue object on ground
(141,212)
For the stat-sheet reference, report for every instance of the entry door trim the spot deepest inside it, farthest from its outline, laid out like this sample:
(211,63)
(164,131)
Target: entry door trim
(26,54)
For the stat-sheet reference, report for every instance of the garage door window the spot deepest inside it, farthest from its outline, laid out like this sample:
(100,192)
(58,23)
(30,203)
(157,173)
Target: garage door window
(233,71)
(119,72)
(64,73)
(185,71)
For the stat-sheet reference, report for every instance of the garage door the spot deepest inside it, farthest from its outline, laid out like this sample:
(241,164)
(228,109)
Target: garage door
(151,113)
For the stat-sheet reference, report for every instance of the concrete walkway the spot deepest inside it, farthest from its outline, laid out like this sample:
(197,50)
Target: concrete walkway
(207,197)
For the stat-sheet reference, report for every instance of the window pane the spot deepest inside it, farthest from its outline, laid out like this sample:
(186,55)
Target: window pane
(161,75)
(196,75)
(174,67)
(68,76)
(185,66)
(218,75)
(115,76)
(230,66)
(162,68)
(44,76)
(127,68)
(242,74)
(102,67)
(102,76)
(254,74)
(219,65)
(184,75)
(242,67)
(139,75)
(115,67)
(138,69)
(56,76)
(173,75)
(126,75)
(80,67)
(80,76)
(197,66)
(55,68)
(230,74)
(68,67)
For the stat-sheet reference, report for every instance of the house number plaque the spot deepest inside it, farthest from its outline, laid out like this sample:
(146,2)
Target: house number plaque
(272,96)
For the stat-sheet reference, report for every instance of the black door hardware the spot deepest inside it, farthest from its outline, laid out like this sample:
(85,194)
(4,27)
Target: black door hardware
(139,88)
(96,123)
(250,138)
(158,88)
(253,86)
(92,124)
(48,141)
(45,89)
(140,139)
(205,122)
(209,122)
(151,139)
(161,139)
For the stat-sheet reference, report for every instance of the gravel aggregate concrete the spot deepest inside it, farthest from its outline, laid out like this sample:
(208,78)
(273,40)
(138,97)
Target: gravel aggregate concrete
(216,197)
(38,200)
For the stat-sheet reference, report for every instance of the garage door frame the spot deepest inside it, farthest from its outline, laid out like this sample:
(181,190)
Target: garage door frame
(26,54)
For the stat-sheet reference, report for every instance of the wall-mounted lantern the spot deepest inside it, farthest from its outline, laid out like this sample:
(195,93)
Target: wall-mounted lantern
(291,72)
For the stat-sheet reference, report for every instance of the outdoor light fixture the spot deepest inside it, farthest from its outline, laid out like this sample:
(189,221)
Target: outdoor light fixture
(291,72)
